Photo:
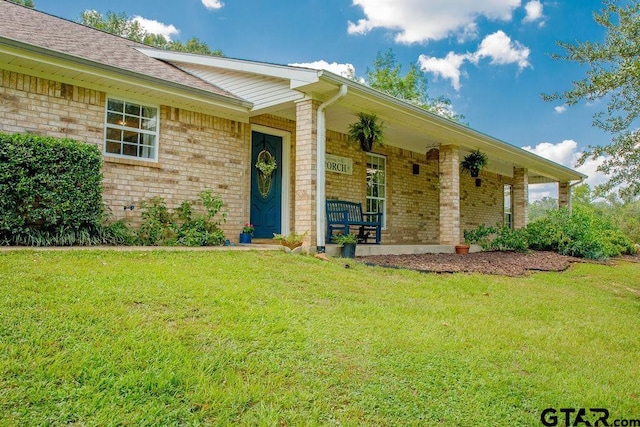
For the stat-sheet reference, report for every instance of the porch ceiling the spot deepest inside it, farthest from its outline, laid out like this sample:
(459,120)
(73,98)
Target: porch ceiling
(413,129)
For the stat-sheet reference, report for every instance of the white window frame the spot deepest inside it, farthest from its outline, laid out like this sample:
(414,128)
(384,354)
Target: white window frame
(140,130)
(378,159)
(508,205)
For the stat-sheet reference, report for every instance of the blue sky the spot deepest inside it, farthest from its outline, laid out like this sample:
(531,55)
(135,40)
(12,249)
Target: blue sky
(490,57)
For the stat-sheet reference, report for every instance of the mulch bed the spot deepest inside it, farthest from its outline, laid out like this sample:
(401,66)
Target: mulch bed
(501,263)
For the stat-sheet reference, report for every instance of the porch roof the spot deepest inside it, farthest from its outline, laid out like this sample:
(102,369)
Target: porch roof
(274,89)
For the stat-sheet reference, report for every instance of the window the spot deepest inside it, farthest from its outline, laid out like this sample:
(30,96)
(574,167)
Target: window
(131,130)
(508,206)
(377,185)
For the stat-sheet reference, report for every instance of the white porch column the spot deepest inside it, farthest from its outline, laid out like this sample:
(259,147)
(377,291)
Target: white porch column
(450,233)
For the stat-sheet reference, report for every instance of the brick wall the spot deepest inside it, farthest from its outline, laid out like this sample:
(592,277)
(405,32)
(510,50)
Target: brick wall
(412,200)
(484,204)
(195,150)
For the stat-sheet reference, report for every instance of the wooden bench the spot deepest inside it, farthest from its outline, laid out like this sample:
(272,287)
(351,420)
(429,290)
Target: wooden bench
(343,215)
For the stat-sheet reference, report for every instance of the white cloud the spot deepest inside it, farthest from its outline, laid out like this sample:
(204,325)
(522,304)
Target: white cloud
(447,68)
(212,4)
(344,70)
(560,109)
(566,153)
(156,27)
(497,46)
(534,12)
(502,50)
(416,21)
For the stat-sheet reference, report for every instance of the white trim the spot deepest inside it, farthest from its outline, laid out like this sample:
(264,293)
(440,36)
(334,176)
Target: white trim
(321,173)
(297,75)
(384,199)
(286,174)
(156,148)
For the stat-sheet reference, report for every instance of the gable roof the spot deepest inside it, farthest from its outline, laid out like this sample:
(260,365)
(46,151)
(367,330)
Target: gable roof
(22,27)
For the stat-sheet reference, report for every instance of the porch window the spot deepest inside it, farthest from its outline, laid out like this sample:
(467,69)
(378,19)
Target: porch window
(508,206)
(131,130)
(377,185)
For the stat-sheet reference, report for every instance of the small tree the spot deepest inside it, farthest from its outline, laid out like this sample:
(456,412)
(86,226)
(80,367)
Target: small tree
(614,75)
(386,76)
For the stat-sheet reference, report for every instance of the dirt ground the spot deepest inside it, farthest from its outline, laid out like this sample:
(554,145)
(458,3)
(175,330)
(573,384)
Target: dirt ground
(502,263)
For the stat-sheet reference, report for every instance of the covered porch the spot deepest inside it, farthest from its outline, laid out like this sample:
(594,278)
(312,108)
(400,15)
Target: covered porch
(425,200)
(428,202)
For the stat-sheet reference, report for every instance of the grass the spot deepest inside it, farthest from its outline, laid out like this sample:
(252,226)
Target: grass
(265,338)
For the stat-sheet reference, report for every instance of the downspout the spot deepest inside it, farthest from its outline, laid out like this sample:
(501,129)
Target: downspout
(321,147)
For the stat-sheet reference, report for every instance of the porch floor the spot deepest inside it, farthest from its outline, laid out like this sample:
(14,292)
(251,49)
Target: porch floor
(367,250)
(405,249)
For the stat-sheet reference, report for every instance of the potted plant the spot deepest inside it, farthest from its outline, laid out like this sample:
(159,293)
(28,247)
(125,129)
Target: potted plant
(367,131)
(347,244)
(463,249)
(247,233)
(474,162)
(292,241)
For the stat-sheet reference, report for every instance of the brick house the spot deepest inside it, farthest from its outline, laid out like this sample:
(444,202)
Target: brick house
(170,124)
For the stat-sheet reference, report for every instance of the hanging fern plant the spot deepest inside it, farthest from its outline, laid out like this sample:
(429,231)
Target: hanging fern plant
(474,163)
(367,131)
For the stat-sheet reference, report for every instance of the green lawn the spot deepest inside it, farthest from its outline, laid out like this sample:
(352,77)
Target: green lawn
(266,338)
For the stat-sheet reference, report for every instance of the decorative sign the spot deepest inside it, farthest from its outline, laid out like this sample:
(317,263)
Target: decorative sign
(339,164)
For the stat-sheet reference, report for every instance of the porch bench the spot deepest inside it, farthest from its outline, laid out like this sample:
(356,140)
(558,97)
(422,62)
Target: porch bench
(343,215)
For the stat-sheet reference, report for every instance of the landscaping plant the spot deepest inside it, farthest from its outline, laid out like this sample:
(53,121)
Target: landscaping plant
(50,191)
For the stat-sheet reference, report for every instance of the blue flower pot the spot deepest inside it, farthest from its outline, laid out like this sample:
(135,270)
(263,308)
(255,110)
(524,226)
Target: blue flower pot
(245,238)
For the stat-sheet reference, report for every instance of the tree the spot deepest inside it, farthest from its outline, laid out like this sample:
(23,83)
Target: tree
(121,25)
(386,77)
(26,3)
(540,208)
(613,75)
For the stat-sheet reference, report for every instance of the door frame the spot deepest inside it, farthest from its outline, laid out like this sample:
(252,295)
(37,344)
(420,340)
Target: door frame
(286,173)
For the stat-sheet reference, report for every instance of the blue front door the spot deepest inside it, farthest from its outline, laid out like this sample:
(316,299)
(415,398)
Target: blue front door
(266,185)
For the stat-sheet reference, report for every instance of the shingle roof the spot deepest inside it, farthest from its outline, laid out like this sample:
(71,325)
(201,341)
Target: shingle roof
(50,32)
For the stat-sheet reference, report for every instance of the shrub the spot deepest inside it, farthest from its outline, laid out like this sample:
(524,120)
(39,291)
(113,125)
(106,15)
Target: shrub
(580,233)
(50,191)
(186,226)
(497,238)
(508,239)
(481,235)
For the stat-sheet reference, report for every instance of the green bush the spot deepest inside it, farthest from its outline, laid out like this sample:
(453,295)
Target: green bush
(50,191)
(188,225)
(581,233)
(481,235)
(508,239)
(497,238)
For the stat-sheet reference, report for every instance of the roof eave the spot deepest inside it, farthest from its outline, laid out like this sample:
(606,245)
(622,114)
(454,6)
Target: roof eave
(526,157)
(230,102)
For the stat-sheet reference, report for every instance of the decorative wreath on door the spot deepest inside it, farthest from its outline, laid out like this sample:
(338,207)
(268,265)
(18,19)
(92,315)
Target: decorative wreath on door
(266,165)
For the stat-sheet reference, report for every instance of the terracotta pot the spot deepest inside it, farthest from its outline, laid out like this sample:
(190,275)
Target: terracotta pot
(462,249)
